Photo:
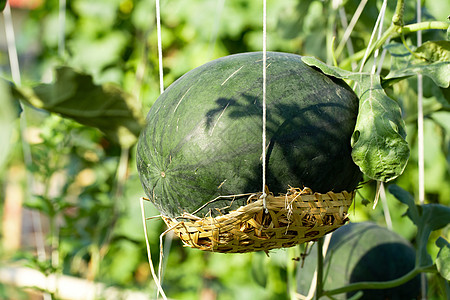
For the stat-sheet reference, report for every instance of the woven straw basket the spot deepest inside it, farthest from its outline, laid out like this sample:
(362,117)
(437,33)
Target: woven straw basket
(298,216)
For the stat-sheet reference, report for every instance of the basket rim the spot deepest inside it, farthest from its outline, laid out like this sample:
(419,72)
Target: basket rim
(305,194)
(295,217)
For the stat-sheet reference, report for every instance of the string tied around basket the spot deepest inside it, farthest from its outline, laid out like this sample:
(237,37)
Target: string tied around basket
(264,114)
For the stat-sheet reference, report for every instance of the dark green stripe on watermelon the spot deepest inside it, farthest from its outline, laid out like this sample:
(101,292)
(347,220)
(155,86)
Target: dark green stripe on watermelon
(203,135)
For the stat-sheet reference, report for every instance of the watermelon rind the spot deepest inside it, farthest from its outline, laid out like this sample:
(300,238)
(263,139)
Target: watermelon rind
(203,135)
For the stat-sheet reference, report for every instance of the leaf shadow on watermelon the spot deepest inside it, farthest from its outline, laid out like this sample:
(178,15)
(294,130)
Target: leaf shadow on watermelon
(305,143)
(202,142)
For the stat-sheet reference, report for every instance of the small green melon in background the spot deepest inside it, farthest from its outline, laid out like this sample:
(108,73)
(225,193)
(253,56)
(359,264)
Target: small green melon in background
(364,252)
(203,136)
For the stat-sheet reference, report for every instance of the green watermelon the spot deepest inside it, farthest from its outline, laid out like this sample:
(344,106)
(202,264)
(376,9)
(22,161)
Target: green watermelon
(203,135)
(364,252)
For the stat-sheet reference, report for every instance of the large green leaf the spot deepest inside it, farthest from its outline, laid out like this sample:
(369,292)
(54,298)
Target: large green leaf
(443,258)
(379,145)
(427,218)
(378,142)
(432,59)
(74,95)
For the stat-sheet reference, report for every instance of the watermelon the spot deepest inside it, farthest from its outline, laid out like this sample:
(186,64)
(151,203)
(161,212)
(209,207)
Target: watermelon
(360,252)
(203,136)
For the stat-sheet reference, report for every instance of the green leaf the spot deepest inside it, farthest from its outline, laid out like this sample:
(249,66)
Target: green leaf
(42,204)
(329,70)
(443,258)
(434,51)
(406,198)
(379,145)
(427,218)
(2,5)
(378,142)
(432,59)
(74,95)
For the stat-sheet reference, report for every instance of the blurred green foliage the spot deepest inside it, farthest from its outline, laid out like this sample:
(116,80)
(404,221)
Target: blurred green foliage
(93,211)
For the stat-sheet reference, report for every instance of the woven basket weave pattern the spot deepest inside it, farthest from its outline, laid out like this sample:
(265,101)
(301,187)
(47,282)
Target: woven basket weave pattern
(296,217)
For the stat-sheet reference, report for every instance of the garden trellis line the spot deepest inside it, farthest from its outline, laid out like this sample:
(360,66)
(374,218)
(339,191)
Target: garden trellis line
(58,141)
(264,125)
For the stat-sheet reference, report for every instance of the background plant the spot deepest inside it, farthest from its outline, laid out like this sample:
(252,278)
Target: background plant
(83,182)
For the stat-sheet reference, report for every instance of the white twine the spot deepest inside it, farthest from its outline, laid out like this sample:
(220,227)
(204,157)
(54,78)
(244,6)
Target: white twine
(380,32)
(352,24)
(62,27)
(372,38)
(158,29)
(264,195)
(157,278)
(420,140)
(381,192)
(420,129)
(28,159)
(149,256)
(11,44)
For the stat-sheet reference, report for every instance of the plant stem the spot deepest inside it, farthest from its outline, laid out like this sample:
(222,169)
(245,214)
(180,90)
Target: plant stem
(424,26)
(319,282)
(382,284)
(393,32)
(396,29)
(291,271)
(397,19)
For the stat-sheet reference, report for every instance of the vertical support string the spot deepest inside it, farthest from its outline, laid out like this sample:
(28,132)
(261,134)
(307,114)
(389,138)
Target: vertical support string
(28,159)
(420,140)
(381,192)
(380,32)
(149,257)
(420,129)
(168,237)
(157,278)
(349,28)
(62,28)
(264,195)
(158,29)
(371,40)
(11,44)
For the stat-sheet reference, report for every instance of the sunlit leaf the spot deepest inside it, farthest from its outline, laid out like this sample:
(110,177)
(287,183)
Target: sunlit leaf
(124,258)
(434,51)
(74,95)
(329,70)
(431,59)
(443,258)
(379,145)
(42,204)
(378,142)
(427,218)
(95,56)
